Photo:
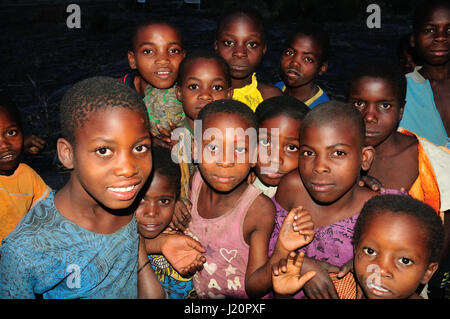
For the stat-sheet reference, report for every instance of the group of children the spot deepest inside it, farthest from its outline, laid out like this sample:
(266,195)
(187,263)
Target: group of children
(315,199)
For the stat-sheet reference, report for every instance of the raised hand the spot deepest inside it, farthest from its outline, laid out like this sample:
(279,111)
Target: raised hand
(184,253)
(33,145)
(163,139)
(286,278)
(297,230)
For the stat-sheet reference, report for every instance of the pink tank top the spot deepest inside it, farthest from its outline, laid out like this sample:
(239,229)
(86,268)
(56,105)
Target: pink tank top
(223,274)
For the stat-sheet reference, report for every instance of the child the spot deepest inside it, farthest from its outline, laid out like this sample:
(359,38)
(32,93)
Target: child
(332,153)
(154,214)
(304,58)
(231,218)
(20,186)
(397,241)
(284,113)
(406,54)
(241,41)
(427,111)
(157,50)
(377,89)
(82,241)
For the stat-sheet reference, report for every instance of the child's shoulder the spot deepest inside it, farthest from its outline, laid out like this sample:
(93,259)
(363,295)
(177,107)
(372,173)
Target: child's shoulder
(268,91)
(290,184)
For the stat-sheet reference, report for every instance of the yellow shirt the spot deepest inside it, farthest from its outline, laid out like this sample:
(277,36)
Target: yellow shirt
(18,193)
(249,94)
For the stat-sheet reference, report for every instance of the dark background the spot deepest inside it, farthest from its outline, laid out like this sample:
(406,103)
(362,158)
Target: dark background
(41,57)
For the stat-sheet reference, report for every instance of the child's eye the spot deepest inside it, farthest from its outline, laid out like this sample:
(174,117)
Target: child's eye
(385,106)
(141,149)
(405,261)
(193,86)
(292,148)
(147,51)
(358,104)
(428,30)
(309,60)
(240,150)
(174,51)
(217,87)
(228,43)
(12,133)
(252,44)
(289,52)
(165,201)
(339,153)
(264,142)
(369,251)
(103,151)
(307,153)
(212,147)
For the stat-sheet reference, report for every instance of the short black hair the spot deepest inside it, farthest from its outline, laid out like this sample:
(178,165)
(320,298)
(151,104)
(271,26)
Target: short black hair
(334,112)
(94,94)
(314,31)
(383,68)
(424,9)
(143,24)
(248,12)
(163,165)
(11,108)
(401,204)
(207,55)
(286,105)
(228,106)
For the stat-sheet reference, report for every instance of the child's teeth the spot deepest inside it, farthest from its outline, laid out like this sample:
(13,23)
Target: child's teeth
(122,189)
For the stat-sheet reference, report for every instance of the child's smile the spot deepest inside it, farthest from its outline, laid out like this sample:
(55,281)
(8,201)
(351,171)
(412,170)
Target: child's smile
(11,143)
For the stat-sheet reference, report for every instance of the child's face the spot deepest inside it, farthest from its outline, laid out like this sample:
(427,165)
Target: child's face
(157,55)
(301,61)
(432,41)
(11,143)
(204,81)
(330,160)
(156,208)
(225,155)
(286,141)
(111,158)
(391,258)
(377,100)
(241,44)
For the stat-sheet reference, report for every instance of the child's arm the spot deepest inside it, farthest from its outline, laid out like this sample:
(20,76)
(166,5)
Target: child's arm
(268,91)
(182,215)
(321,286)
(148,285)
(286,278)
(184,253)
(261,220)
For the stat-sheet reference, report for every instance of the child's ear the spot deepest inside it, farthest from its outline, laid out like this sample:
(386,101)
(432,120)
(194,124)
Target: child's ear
(131,60)
(368,153)
(178,92)
(65,152)
(323,68)
(229,94)
(265,48)
(431,269)
(412,41)
(402,109)
(216,46)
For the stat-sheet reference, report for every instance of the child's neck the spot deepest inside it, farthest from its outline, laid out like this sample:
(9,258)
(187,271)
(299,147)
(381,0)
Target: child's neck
(436,73)
(304,92)
(72,203)
(240,83)
(215,204)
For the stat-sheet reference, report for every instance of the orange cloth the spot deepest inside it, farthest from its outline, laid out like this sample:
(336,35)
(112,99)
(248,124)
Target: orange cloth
(425,187)
(18,193)
(345,287)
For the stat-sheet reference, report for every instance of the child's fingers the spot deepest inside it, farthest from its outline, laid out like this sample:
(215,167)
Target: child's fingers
(195,244)
(306,277)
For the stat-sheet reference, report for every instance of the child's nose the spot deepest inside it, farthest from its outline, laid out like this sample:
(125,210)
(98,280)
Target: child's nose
(384,262)
(240,51)
(321,165)
(162,58)
(4,142)
(370,114)
(205,95)
(126,166)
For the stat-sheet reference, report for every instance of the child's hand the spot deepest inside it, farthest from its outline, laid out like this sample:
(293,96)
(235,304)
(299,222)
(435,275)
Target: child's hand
(297,230)
(163,139)
(33,144)
(345,269)
(184,253)
(286,278)
(182,215)
(371,182)
(321,286)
